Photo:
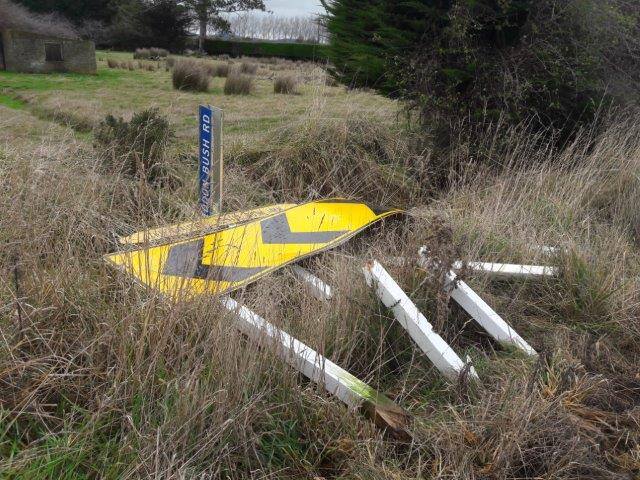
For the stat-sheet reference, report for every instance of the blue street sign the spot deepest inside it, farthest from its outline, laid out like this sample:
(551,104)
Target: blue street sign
(206,147)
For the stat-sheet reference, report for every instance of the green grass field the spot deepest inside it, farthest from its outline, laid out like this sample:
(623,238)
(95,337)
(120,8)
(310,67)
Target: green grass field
(100,378)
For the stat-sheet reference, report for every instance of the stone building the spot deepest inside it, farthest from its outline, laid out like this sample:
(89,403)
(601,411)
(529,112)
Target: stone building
(24,51)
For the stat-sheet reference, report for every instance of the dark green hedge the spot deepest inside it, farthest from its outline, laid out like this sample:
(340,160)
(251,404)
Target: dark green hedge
(293,51)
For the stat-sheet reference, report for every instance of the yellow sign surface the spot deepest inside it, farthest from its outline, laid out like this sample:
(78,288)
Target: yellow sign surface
(202,226)
(228,259)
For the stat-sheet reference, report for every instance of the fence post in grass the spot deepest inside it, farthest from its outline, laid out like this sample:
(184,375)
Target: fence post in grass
(210,172)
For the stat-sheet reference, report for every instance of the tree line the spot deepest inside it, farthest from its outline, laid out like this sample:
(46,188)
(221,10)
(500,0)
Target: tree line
(552,65)
(145,23)
(273,27)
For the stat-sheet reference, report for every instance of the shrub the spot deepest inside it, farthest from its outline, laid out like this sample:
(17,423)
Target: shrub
(136,148)
(238,84)
(550,62)
(249,68)
(287,84)
(190,75)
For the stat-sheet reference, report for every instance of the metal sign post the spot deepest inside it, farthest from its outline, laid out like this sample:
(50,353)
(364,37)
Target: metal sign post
(210,154)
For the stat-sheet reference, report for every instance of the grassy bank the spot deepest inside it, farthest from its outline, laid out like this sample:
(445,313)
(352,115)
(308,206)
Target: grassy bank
(102,379)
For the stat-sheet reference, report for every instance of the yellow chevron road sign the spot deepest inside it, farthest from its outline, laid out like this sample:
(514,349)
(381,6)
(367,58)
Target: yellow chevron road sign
(202,226)
(230,258)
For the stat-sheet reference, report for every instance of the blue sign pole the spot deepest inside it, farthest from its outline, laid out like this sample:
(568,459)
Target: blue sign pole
(206,147)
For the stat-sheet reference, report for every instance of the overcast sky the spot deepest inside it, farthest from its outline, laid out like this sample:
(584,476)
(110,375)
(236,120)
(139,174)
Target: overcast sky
(293,8)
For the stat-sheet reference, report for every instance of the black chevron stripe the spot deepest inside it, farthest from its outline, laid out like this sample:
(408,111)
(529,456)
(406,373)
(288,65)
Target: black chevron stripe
(276,230)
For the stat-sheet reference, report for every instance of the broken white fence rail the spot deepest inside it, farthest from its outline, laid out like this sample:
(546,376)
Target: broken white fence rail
(508,270)
(339,382)
(482,313)
(318,288)
(414,322)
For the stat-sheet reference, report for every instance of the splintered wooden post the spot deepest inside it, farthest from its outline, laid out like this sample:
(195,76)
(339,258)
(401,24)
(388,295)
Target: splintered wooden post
(506,270)
(353,392)
(419,329)
(318,288)
(482,313)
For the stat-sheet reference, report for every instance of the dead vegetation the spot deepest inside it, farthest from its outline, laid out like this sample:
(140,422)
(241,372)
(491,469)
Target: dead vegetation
(320,157)
(101,378)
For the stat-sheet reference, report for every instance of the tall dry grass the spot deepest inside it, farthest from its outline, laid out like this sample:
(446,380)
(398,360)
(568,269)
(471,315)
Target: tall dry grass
(102,378)
(239,84)
(190,75)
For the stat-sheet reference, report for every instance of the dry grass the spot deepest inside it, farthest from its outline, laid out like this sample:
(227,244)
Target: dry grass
(238,84)
(322,157)
(101,378)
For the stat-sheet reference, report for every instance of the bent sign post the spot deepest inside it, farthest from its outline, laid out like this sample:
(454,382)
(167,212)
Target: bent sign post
(210,155)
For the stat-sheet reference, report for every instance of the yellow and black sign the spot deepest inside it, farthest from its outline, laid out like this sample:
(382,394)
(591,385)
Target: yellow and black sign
(201,226)
(230,258)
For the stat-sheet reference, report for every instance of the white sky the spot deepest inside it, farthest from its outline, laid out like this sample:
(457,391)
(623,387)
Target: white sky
(294,8)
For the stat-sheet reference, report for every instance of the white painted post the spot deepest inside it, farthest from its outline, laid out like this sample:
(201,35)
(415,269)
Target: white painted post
(317,287)
(217,173)
(481,312)
(507,270)
(353,392)
(419,329)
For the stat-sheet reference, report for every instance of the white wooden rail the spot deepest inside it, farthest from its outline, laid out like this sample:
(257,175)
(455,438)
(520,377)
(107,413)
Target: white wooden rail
(350,390)
(507,270)
(481,312)
(414,322)
(317,287)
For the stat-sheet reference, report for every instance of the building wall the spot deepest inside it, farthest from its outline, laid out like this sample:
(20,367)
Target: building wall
(1,53)
(25,52)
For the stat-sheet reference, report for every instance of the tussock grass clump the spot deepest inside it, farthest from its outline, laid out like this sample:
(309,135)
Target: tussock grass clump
(287,84)
(190,75)
(142,53)
(158,53)
(249,68)
(335,157)
(221,70)
(170,61)
(150,53)
(237,84)
(111,63)
(148,66)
